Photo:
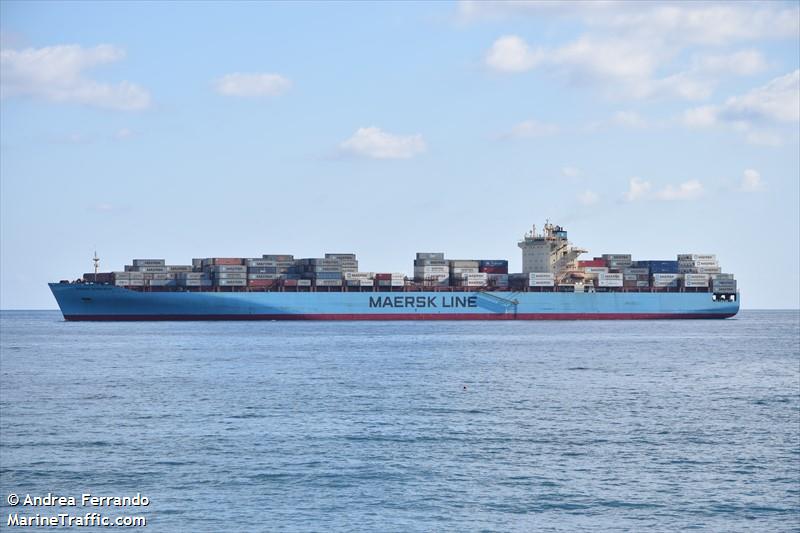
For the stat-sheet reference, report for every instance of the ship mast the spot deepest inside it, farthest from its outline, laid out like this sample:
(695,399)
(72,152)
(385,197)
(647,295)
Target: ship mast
(96,264)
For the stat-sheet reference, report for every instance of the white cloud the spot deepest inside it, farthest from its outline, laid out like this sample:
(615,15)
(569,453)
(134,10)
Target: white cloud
(639,189)
(57,74)
(620,67)
(703,23)
(777,101)
(530,128)
(751,181)
(640,49)
(570,172)
(742,63)
(754,113)
(252,84)
(512,54)
(685,191)
(700,117)
(763,137)
(699,23)
(377,144)
(594,58)
(122,134)
(588,197)
(630,119)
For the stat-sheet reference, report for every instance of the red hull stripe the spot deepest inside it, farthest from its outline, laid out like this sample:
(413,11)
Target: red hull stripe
(403,316)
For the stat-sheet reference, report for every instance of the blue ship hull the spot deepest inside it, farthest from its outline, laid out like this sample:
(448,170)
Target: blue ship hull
(108,302)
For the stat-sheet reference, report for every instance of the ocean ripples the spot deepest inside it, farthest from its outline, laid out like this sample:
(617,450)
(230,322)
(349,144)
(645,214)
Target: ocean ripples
(520,426)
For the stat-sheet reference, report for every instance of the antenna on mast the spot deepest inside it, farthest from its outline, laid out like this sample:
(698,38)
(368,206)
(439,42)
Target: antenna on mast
(96,263)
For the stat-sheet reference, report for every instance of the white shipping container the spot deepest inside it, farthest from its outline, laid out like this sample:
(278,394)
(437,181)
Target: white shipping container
(706,263)
(303,282)
(192,275)
(430,262)
(541,275)
(195,282)
(263,276)
(595,270)
(260,263)
(366,282)
(398,282)
(541,283)
(432,270)
(358,275)
(179,268)
(709,270)
(398,275)
(722,276)
(129,275)
(151,269)
(161,282)
(464,270)
(231,282)
(328,283)
(666,277)
(229,268)
(696,280)
(230,275)
(434,277)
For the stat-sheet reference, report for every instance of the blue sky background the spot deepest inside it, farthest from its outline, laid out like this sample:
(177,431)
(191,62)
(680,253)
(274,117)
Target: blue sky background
(198,129)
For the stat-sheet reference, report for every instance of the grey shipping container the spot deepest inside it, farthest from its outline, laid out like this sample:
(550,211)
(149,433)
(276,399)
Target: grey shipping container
(149,262)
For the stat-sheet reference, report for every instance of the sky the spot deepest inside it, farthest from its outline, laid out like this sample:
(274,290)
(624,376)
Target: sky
(181,130)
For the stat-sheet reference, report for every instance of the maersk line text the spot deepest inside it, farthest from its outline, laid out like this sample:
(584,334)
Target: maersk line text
(422,301)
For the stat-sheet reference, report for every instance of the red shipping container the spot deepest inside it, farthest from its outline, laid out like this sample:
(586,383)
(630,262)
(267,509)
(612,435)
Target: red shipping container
(260,282)
(228,261)
(383,276)
(290,283)
(494,270)
(592,263)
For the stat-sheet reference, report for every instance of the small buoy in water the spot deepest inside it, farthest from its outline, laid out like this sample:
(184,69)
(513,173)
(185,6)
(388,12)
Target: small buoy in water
(465,387)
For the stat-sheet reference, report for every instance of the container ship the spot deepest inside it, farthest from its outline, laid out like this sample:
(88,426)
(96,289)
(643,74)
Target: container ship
(555,284)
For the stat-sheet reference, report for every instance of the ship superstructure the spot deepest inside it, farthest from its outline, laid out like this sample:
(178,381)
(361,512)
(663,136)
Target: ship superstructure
(549,251)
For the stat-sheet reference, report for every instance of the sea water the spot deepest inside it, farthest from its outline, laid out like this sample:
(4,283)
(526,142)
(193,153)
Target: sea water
(407,426)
